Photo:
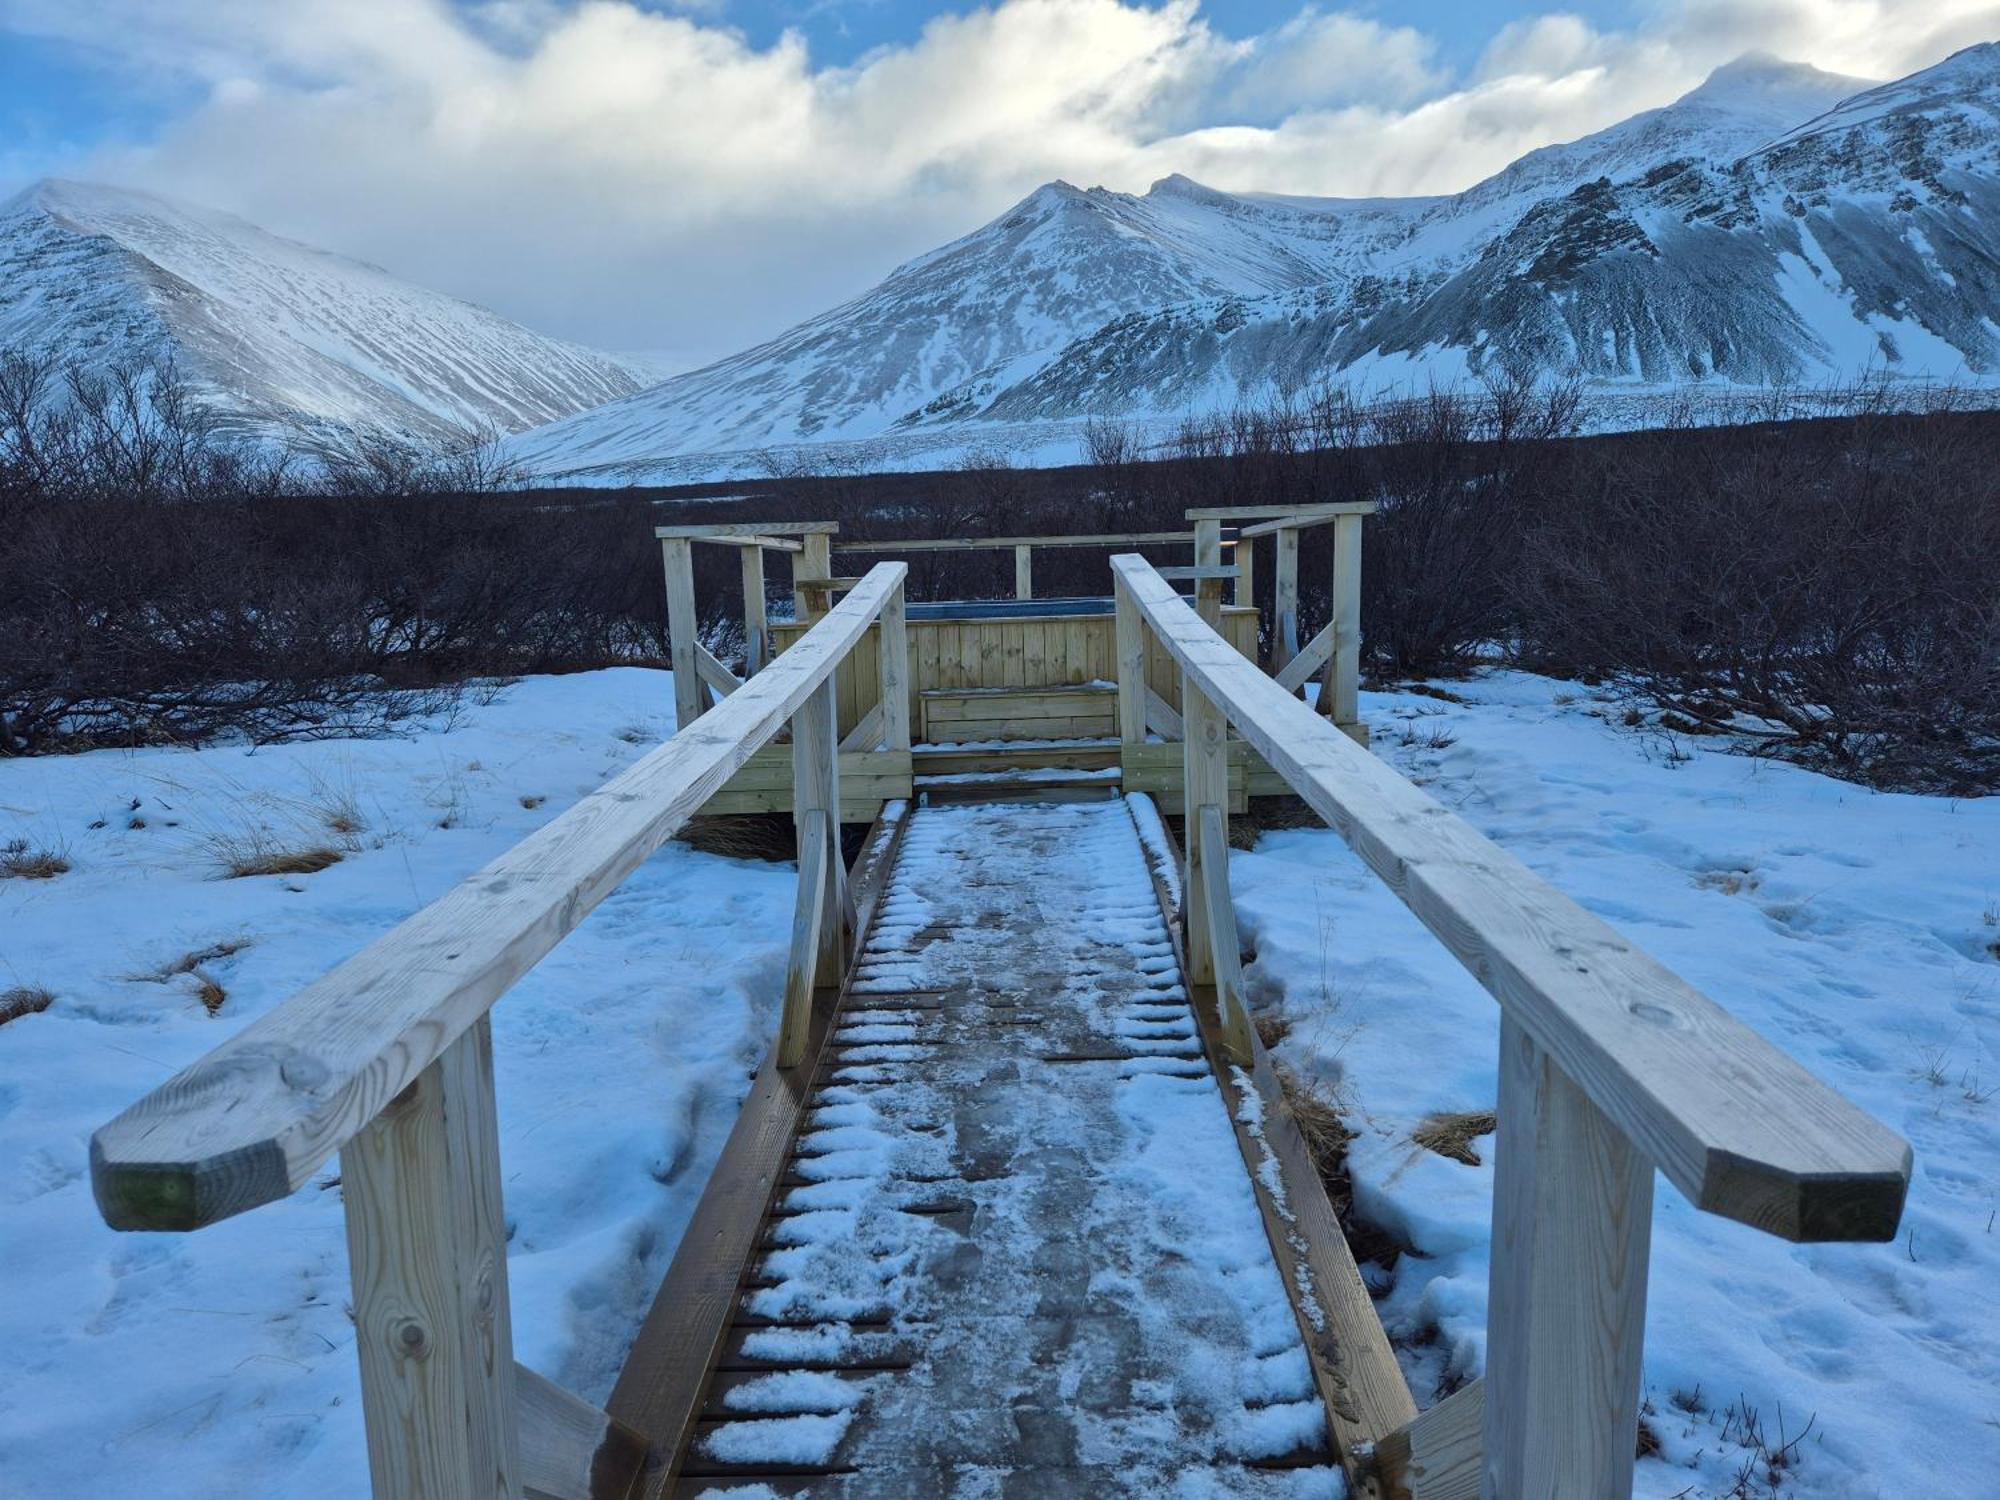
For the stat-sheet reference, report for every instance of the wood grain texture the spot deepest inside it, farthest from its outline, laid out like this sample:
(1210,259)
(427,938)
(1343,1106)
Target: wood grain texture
(1205,783)
(809,919)
(893,668)
(816,800)
(1340,697)
(1131,670)
(1211,827)
(1566,1311)
(885,546)
(748,541)
(427,1251)
(865,736)
(1297,672)
(1244,555)
(683,633)
(733,529)
(756,620)
(252,1120)
(572,1451)
(1738,1126)
(1298,517)
(1161,718)
(1435,1457)
(714,673)
(1285,607)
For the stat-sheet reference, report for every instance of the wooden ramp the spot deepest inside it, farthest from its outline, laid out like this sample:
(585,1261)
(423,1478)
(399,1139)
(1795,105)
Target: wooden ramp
(1015,1249)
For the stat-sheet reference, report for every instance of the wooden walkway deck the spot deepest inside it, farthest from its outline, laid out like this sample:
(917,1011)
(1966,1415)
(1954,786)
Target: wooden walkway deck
(1015,1250)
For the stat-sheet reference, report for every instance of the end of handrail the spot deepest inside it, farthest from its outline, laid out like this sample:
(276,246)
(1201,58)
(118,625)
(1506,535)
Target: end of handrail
(1861,1206)
(177,1196)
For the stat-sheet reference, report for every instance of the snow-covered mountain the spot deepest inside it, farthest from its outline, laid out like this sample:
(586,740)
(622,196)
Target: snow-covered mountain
(279,339)
(1776,224)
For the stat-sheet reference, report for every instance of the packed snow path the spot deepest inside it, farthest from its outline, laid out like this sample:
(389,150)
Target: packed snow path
(1016,1251)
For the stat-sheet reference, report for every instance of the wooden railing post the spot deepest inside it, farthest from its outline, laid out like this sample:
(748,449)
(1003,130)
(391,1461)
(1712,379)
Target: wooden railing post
(427,1247)
(1566,1309)
(1340,689)
(814,559)
(1205,783)
(756,626)
(677,554)
(819,928)
(1208,554)
(1285,611)
(897,692)
(1024,572)
(1246,572)
(1131,645)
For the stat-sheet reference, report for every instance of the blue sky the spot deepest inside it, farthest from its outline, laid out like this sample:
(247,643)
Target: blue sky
(689,175)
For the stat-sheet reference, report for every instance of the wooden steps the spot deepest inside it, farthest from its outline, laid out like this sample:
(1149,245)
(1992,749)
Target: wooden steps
(986,715)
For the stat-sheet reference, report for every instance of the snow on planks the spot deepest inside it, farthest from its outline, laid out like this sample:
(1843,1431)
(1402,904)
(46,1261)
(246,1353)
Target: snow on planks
(1015,1250)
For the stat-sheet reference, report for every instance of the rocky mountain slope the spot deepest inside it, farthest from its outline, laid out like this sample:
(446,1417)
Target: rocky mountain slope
(280,340)
(1777,224)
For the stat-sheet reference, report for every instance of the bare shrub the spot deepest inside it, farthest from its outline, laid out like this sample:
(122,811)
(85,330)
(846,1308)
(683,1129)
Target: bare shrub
(20,860)
(24,1000)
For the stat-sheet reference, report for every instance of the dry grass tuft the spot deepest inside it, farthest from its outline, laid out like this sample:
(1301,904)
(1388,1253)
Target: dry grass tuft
(1452,1135)
(188,963)
(1314,1109)
(209,991)
(765,836)
(531,803)
(256,854)
(20,862)
(1272,1028)
(24,1000)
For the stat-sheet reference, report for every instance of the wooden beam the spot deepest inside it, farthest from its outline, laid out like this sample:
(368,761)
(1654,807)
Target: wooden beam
(1205,783)
(1566,1310)
(1340,691)
(1130,634)
(811,571)
(810,918)
(757,531)
(1209,573)
(756,621)
(1287,515)
(572,1451)
(964,543)
(1161,718)
(1297,672)
(1024,571)
(427,1252)
(751,543)
(866,734)
(816,798)
(1436,1455)
(254,1119)
(713,672)
(1739,1127)
(1219,573)
(683,632)
(1210,826)
(1245,558)
(893,667)
(1285,617)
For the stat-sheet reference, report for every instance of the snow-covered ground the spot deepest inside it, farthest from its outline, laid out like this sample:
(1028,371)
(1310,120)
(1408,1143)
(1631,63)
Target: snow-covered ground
(1853,929)
(1858,931)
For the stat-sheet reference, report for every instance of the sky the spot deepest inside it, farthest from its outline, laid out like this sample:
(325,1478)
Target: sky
(689,176)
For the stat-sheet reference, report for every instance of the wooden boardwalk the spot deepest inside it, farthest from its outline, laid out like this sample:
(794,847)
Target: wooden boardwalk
(1016,1250)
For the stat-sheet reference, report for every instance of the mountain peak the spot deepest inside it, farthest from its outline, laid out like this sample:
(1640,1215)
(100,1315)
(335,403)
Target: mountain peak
(1764,77)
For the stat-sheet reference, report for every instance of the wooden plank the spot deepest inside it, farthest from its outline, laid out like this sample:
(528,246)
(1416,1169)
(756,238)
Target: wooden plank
(1340,696)
(254,1119)
(810,919)
(1566,1309)
(1354,1367)
(1208,556)
(572,1451)
(747,541)
(1205,772)
(711,530)
(658,1391)
(1131,676)
(713,672)
(1161,718)
(1245,558)
(1288,516)
(1436,1455)
(1225,952)
(1739,1127)
(756,620)
(963,543)
(867,734)
(816,799)
(815,561)
(1285,621)
(1219,573)
(683,633)
(427,1251)
(893,668)
(1024,571)
(1297,672)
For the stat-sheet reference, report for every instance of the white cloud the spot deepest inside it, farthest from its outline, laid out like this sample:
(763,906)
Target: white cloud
(644,177)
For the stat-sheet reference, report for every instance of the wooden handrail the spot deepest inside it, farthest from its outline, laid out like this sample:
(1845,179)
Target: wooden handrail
(1737,1125)
(961,543)
(250,1122)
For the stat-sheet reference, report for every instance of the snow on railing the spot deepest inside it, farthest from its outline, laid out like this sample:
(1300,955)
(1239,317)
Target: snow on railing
(1610,1066)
